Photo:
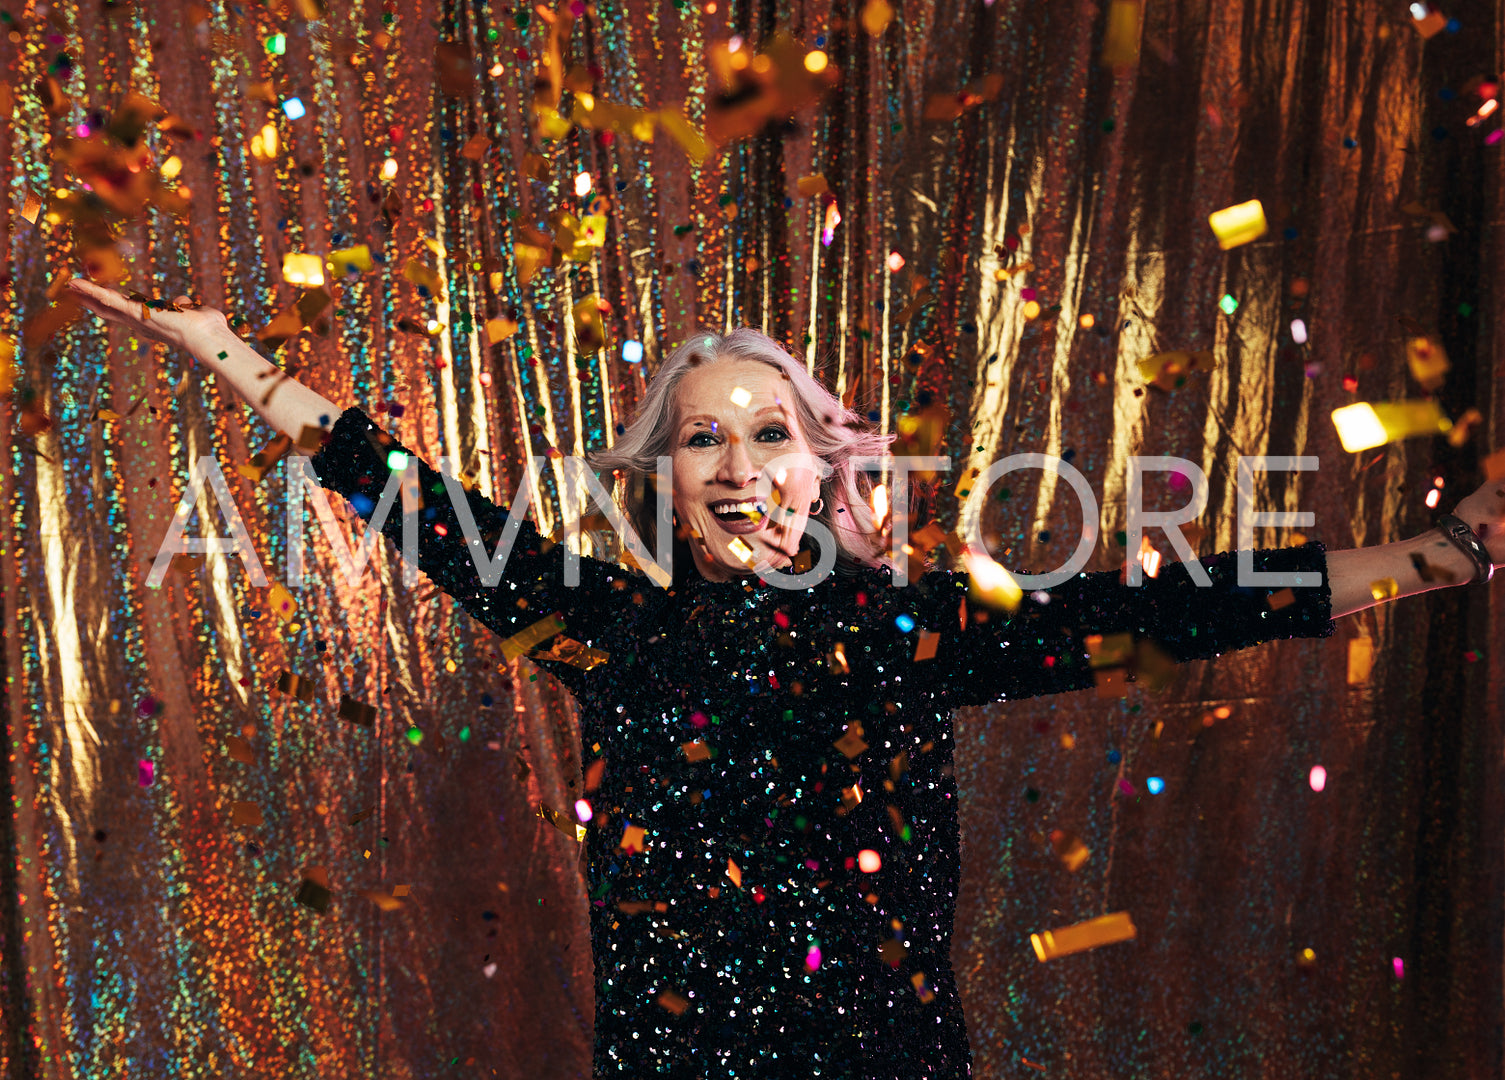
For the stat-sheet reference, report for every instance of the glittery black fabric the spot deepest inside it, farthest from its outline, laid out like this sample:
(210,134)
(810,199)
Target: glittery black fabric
(737,935)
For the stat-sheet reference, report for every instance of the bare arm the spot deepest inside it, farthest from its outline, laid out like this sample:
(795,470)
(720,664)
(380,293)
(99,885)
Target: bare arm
(1421,564)
(281,400)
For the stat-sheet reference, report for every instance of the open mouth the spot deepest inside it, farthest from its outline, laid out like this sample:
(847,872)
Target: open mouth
(732,511)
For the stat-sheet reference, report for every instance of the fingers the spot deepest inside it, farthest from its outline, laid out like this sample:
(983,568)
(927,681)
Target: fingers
(104,302)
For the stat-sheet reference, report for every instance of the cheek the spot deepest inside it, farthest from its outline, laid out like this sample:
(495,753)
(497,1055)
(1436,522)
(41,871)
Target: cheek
(690,480)
(685,477)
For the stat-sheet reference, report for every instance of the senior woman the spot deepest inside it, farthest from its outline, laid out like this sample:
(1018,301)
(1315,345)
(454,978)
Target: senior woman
(773,860)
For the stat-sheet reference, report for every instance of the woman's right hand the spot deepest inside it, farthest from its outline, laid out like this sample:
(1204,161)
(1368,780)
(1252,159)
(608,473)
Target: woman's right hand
(183,324)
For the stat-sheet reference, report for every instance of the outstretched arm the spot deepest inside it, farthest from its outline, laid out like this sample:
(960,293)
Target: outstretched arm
(528,589)
(1361,577)
(281,400)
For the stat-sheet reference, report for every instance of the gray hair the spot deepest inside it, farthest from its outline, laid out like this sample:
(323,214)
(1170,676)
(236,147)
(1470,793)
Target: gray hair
(836,434)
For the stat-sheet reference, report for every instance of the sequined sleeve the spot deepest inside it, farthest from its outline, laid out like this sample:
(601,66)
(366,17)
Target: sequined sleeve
(1042,647)
(354,463)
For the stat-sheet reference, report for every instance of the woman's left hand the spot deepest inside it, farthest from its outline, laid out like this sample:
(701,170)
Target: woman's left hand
(1484,512)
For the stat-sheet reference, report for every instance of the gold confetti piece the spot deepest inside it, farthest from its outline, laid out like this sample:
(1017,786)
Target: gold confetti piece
(1366,425)
(1069,849)
(475,147)
(743,553)
(734,872)
(1103,930)
(1235,225)
(319,875)
(240,750)
(1168,370)
(281,602)
(681,131)
(357,712)
(291,320)
(265,458)
(104,414)
(929,538)
(1431,24)
(673,1002)
(401,890)
(1111,682)
(551,125)
(295,686)
(837,660)
(305,270)
(590,332)
(1114,650)
(267,143)
(991,584)
(1281,599)
(1121,38)
(353,258)
(951,106)
(1384,588)
(1360,660)
(851,744)
(531,254)
(812,185)
(310,439)
(922,987)
(32,207)
(563,822)
(423,275)
(524,641)
(925,647)
(1428,361)
(574,653)
(453,69)
(876,15)
(1463,429)
(640,907)
(696,751)
(187,565)
(313,895)
(245,813)
(382,900)
(633,839)
(499,330)
(741,397)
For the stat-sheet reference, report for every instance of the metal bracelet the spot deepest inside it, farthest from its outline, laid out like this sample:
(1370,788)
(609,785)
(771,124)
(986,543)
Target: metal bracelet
(1467,541)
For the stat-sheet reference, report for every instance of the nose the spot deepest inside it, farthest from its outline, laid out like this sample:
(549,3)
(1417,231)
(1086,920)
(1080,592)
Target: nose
(736,468)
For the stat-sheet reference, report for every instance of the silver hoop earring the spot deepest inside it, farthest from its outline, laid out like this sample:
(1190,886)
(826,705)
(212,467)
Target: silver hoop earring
(817,506)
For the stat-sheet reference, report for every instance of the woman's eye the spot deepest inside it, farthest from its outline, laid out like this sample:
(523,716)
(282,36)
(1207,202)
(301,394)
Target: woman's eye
(773,434)
(702,439)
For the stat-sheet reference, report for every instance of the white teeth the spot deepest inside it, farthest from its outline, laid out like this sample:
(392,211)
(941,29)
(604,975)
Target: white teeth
(745,507)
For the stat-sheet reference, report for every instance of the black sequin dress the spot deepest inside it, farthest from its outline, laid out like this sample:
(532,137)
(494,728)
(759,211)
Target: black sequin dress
(737,928)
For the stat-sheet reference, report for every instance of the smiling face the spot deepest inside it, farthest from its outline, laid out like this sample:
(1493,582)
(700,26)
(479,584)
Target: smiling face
(730,427)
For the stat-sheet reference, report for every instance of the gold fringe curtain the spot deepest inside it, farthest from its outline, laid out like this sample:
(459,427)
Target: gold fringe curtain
(972,160)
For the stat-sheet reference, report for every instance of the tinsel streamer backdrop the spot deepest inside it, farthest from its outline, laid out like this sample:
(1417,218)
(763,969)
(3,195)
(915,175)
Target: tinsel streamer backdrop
(972,151)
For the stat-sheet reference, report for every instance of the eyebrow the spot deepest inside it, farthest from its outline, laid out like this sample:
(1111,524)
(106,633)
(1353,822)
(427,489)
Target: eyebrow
(776,410)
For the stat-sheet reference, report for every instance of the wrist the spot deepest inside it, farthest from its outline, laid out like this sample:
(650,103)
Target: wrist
(1454,546)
